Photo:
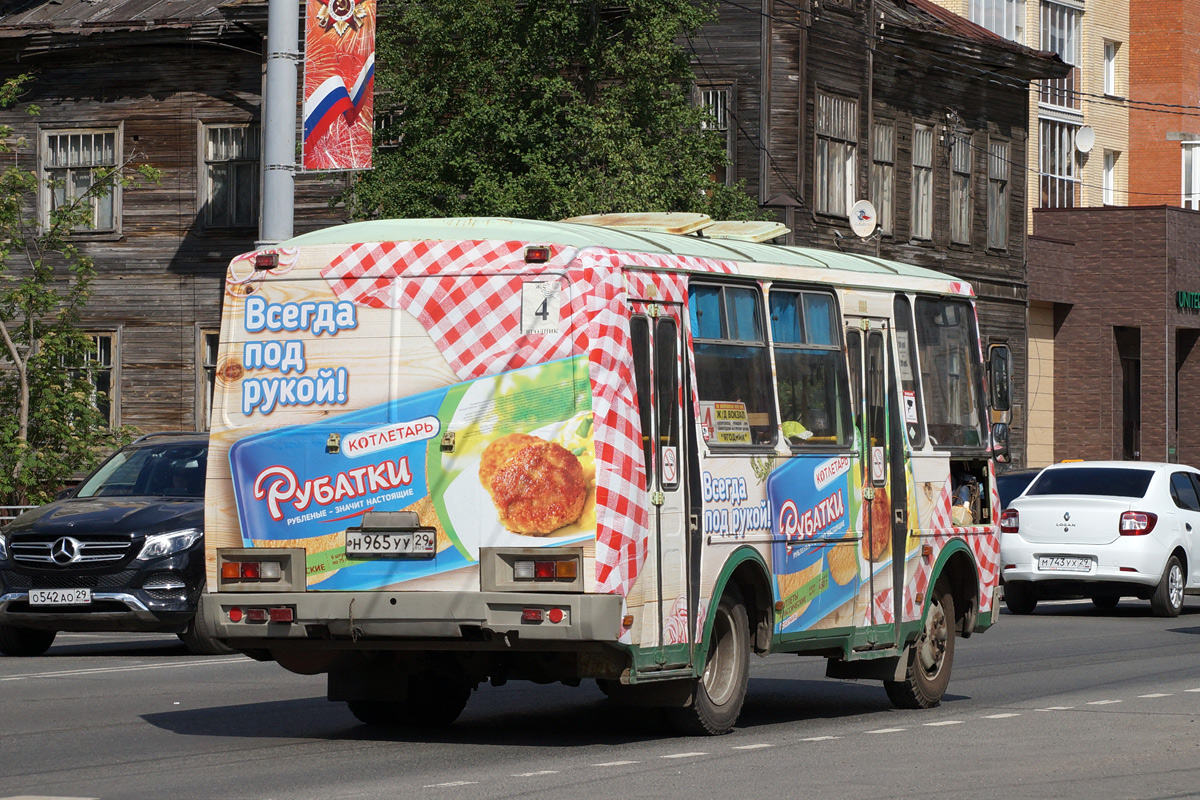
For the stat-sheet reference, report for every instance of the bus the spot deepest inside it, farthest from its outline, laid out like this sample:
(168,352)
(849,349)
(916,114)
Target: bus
(453,451)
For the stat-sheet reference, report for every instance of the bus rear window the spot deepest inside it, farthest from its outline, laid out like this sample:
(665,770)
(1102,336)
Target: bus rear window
(1108,481)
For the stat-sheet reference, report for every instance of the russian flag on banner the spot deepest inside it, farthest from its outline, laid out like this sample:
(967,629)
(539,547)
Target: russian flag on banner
(339,78)
(332,100)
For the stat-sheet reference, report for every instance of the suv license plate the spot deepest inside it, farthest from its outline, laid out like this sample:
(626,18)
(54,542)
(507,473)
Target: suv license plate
(361,544)
(59,597)
(1064,564)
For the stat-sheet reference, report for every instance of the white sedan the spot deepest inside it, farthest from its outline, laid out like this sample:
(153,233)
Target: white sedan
(1104,530)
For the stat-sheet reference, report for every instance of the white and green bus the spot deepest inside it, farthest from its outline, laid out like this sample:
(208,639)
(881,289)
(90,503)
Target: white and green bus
(452,451)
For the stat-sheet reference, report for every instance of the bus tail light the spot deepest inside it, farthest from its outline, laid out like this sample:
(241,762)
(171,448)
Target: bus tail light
(261,569)
(1010,521)
(1137,523)
(531,569)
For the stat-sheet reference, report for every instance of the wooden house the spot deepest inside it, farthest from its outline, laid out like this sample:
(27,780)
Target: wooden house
(901,102)
(177,85)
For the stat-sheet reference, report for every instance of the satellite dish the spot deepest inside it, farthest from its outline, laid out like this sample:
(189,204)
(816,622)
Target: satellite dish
(1085,139)
(863,218)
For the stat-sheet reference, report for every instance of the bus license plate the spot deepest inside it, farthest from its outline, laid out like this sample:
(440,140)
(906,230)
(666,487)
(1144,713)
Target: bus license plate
(60,597)
(1064,564)
(363,544)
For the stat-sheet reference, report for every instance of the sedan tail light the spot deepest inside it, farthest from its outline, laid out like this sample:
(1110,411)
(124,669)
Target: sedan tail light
(1137,523)
(1010,521)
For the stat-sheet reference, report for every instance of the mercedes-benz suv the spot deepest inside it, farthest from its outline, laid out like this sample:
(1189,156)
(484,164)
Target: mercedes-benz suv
(124,551)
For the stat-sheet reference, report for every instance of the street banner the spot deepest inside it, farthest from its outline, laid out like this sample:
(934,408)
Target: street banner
(339,78)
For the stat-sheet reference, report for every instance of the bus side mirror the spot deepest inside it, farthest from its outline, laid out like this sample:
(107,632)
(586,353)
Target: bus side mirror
(1000,442)
(1000,371)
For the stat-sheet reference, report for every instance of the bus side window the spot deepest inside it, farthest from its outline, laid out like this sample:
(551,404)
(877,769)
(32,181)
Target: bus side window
(810,378)
(733,367)
(854,362)
(666,378)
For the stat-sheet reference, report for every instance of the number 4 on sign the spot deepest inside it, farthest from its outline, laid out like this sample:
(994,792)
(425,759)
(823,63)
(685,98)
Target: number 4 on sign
(541,302)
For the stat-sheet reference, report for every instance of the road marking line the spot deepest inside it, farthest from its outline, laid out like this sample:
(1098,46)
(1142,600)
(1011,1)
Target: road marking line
(1102,702)
(1156,694)
(888,730)
(44,797)
(1001,716)
(1055,708)
(616,763)
(820,738)
(535,774)
(137,668)
(943,722)
(451,783)
(1192,690)
(753,746)
(684,755)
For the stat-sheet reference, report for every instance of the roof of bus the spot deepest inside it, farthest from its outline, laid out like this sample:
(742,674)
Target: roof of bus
(581,236)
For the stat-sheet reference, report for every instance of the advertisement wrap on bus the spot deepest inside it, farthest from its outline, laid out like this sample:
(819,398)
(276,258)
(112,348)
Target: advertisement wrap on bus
(493,449)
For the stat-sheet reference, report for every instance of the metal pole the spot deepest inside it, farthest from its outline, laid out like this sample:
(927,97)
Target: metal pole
(279,122)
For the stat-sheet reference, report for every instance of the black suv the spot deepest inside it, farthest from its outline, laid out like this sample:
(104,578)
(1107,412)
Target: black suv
(124,551)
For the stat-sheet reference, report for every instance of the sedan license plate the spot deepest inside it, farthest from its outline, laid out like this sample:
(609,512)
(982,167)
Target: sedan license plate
(60,597)
(366,544)
(1064,564)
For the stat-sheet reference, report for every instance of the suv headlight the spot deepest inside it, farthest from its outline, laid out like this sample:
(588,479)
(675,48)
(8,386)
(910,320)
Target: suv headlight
(165,544)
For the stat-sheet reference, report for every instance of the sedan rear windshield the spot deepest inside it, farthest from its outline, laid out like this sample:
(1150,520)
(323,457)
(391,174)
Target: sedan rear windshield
(1103,481)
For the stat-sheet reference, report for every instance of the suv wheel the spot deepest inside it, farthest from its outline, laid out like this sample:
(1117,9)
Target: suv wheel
(16,641)
(200,641)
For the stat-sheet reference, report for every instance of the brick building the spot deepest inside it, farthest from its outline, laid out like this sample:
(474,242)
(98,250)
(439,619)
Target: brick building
(1164,140)
(1122,285)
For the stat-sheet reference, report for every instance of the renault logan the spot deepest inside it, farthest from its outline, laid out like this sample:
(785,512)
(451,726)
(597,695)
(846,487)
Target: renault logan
(1104,530)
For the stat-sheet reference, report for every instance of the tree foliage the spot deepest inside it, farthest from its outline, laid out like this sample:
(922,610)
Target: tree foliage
(50,427)
(542,109)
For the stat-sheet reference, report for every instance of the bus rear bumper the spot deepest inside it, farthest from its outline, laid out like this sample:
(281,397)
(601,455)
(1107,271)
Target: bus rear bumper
(500,618)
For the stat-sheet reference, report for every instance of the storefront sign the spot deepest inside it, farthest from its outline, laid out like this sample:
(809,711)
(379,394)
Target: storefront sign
(1188,300)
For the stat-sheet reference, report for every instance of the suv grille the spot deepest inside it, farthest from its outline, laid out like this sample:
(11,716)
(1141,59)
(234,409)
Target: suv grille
(15,581)
(66,550)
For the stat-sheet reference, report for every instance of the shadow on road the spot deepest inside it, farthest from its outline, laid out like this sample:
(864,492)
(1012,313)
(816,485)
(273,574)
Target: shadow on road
(166,648)
(525,715)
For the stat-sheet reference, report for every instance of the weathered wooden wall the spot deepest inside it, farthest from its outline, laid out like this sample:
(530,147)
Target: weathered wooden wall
(160,279)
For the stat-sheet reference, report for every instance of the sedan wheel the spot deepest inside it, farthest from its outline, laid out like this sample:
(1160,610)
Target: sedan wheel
(1168,596)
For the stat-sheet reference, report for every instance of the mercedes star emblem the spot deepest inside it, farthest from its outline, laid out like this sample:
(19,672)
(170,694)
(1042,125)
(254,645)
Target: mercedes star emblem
(64,551)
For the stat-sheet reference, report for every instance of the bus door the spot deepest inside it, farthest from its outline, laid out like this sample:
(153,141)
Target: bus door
(655,329)
(867,352)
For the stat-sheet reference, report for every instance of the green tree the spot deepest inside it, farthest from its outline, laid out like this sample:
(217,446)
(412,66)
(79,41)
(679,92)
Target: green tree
(50,426)
(542,109)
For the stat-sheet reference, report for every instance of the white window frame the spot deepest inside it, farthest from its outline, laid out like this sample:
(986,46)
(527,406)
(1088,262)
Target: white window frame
(1190,189)
(99,361)
(883,174)
(1062,33)
(999,171)
(921,221)
(1003,17)
(835,154)
(69,176)
(1111,50)
(245,167)
(719,101)
(1109,179)
(1058,172)
(962,173)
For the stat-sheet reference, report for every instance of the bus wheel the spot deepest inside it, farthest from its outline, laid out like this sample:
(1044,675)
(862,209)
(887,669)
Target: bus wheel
(380,713)
(434,701)
(717,696)
(930,658)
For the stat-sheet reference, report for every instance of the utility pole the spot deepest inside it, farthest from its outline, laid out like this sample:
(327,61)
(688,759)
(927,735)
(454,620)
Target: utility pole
(279,122)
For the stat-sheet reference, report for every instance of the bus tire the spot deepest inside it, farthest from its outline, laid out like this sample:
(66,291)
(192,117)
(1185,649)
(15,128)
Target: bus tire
(378,713)
(717,695)
(929,658)
(17,641)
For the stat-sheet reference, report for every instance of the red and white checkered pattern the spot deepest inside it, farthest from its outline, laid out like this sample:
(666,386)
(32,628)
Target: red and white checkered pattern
(983,540)
(469,301)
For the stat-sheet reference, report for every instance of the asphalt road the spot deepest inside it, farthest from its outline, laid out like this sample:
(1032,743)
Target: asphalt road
(1069,702)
